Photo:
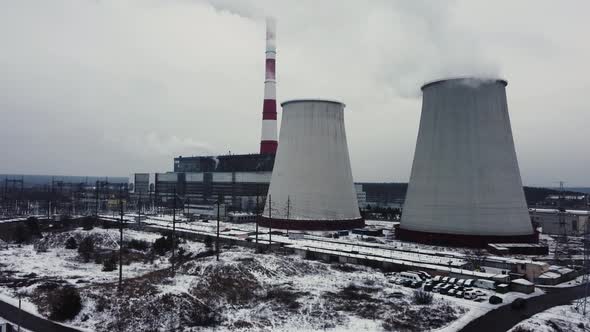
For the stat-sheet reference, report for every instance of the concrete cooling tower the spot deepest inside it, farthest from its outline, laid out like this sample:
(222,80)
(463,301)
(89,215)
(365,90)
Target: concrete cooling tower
(465,188)
(311,187)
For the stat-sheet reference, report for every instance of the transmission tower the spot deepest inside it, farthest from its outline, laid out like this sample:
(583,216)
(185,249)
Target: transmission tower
(582,304)
(561,241)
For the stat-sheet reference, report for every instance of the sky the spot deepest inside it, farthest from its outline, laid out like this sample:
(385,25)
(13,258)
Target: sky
(113,87)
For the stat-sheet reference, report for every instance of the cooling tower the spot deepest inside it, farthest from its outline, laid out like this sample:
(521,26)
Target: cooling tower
(465,188)
(311,186)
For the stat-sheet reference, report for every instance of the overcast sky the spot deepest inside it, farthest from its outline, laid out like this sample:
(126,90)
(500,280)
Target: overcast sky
(111,87)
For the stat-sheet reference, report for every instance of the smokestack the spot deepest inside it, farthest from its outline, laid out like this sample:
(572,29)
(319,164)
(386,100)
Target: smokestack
(311,184)
(465,188)
(268,142)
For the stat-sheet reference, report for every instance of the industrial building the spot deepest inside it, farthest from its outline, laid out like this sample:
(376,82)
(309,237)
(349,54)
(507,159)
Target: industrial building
(561,222)
(311,186)
(465,187)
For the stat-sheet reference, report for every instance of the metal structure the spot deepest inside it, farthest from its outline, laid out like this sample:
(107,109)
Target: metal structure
(268,142)
(465,187)
(312,173)
(582,304)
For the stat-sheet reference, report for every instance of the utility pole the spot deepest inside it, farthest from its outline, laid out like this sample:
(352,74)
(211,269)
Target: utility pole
(288,210)
(19,312)
(174,233)
(269,222)
(96,196)
(217,237)
(561,241)
(139,210)
(121,240)
(257,211)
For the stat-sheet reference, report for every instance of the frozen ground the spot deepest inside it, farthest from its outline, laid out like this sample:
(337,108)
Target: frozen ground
(245,291)
(556,319)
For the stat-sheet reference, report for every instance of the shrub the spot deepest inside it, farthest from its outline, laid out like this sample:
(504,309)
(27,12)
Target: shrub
(162,245)
(138,245)
(518,304)
(71,243)
(40,247)
(86,248)
(64,303)
(495,299)
(22,234)
(87,223)
(422,297)
(33,226)
(110,263)
(209,243)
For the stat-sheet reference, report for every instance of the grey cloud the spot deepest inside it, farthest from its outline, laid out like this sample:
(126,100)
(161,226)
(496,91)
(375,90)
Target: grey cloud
(110,87)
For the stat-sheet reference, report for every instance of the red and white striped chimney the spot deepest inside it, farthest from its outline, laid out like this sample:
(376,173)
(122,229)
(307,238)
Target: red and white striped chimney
(268,142)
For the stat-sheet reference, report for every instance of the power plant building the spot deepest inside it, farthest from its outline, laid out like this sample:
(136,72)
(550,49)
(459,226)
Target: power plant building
(465,187)
(311,186)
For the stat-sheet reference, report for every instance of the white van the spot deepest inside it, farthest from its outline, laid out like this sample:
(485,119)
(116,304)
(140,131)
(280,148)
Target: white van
(411,276)
(485,284)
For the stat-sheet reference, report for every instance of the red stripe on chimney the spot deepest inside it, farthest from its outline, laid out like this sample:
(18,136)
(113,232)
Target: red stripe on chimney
(269,110)
(268,146)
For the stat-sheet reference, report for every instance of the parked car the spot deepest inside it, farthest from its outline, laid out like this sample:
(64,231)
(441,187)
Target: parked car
(425,275)
(459,294)
(411,275)
(437,287)
(468,283)
(452,292)
(445,289)
(460,282)
(398,281)
(445,279)
(469,295)
(406,282)
(416,284)
(428,286)
(437,279)
(452,281)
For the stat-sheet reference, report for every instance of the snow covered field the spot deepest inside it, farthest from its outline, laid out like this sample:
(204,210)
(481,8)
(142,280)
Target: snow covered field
(245,291)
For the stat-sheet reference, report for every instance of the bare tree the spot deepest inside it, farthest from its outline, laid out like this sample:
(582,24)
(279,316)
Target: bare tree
(475,258)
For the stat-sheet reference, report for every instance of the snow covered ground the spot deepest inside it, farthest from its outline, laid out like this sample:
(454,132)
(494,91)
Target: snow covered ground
(561,318)
(245,291)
